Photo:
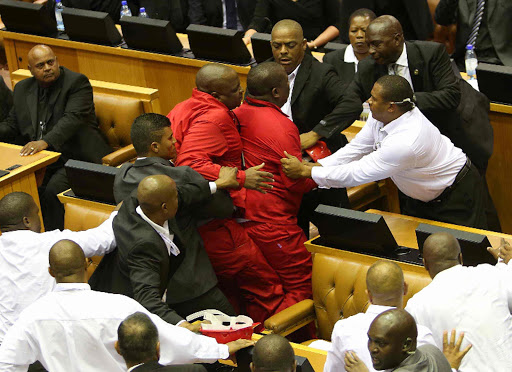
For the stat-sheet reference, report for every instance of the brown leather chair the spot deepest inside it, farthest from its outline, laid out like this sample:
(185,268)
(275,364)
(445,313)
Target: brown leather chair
(339,285)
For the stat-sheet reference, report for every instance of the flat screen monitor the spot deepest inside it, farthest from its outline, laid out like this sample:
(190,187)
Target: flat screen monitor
(360,232)
(91,181)
(90,27)
(261,48)
(28,18)
(152,35)
(495,82)
(218,44)
(473,246)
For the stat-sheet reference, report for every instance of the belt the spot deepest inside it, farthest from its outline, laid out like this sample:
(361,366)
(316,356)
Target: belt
(462,173)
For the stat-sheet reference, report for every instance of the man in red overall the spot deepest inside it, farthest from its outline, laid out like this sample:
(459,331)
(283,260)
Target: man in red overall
(207,138)
(267,134)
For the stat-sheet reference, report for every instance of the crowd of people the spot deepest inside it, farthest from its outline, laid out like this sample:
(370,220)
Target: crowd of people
(216,208)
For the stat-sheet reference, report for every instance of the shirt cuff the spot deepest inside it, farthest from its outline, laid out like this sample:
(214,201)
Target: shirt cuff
(213,187)
(181,321)
(319,175)
(223,351)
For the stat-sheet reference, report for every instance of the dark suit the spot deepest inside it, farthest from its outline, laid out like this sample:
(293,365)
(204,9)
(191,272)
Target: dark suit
(174,11)
(71,129)
(155,366)
(211,13)
(5,100)
(462,12)
(346,71)
(112,7)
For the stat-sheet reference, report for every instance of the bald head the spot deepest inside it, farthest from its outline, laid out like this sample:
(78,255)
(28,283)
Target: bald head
(440,252)
(289,25)
(273,353)
(386,39)
(221,82)
(385,284)
(268,82)
(158,198)
(386,24)
(137,339)
(67,262)
(43,65)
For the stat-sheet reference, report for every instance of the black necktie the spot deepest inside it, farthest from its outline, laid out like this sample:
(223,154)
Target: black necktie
(231,18)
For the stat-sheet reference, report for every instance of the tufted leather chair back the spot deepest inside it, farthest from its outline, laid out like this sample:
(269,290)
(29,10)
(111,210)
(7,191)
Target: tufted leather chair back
(339,289)
(115,117)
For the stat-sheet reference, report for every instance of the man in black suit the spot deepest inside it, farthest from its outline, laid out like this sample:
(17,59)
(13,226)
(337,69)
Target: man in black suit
(315,95)
(54,110)
(231,14)
(5,100)
(492,42)
(139,346)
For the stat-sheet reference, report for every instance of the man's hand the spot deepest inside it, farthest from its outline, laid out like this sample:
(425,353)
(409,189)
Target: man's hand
(255,179)
(33,147)
(504,251)
(353,363)
(293,168)
(308,139)
(451,350)
(191,327)
(227,178)
(234,346)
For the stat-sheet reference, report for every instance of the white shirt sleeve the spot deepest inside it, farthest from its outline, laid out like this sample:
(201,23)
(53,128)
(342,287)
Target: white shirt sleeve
(18,350)
(213,187)
(335,359)
(97,241)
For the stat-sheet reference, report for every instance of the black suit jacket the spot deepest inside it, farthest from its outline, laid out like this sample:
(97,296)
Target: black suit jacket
(155,366)
(462,12)
(5,100)
(174,11)
(112,7)
(346,71)
(459,111)
(72,128)
(210,12)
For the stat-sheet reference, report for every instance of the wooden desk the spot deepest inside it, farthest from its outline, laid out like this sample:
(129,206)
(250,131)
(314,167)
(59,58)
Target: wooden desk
(27,177)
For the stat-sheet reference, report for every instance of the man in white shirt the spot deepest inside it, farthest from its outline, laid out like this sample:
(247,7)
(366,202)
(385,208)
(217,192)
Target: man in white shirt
(74,329)
(24,254)
(386,289)
(474,300)
(399,142)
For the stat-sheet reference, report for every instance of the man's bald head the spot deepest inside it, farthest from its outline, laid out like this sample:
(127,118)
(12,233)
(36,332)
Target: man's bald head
(440,252)
(43,65)
(268,82)
(273,353)
(386,39)
(222,82)
(385,284)
(289,25)
(391,338)
(288,44)
(158,198)
(67,262)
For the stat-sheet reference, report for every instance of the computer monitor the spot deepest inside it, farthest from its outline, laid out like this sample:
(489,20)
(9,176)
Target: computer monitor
(28,18)
(91,181)
(261,48)
(473,246)
(218,44)
(90,27)
(360,232)
(495,81)
(152,35)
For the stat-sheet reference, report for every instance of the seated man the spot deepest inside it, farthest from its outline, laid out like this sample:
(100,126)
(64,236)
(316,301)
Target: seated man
(392,346)
(74,329)
(266,133)
(386,289)
(150,257)
(273,353)
(54,110)
(439,181)
(207,138)
(24,254)
(5,100)
(138,344)
(476,300)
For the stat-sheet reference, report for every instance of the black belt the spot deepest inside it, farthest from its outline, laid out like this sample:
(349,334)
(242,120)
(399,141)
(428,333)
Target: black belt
(462,173)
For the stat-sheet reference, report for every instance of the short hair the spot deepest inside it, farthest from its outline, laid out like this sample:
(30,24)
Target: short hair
(137,338)
(363,12)
(397,89)
(262,78)
(13,207)
(146,129)
(273,353)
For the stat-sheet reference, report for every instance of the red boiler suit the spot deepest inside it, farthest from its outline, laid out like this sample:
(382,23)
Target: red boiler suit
(266,133)
(207,138)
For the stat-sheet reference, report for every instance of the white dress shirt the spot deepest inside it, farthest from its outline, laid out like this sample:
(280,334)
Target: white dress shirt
(287,107)
(350,56)
(402,67)
(24,264)
(352,334)
(411,150)
(163,231)
(476,301)
(74,329)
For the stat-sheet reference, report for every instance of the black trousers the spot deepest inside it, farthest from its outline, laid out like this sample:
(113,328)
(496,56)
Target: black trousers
(465,204)
(213,299)
(55,181)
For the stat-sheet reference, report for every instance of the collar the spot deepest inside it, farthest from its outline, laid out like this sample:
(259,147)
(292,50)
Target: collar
(208,99)
(402,60)
(292,75)
(260,103)
(396,124)
(132,368)
(61,287)
(159,229)
(447,272)
(350,56)
(378,309)
(156,157)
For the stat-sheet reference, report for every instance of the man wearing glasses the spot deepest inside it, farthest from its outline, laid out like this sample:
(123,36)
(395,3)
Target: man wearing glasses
(54,110)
